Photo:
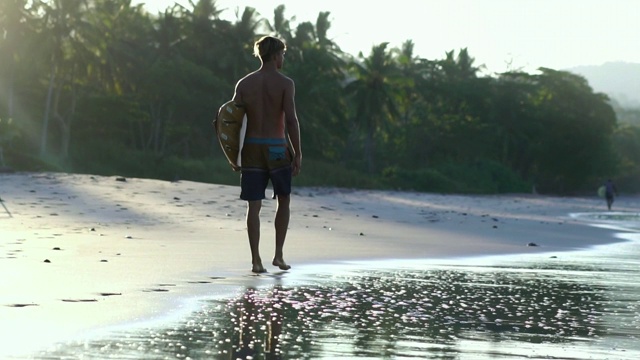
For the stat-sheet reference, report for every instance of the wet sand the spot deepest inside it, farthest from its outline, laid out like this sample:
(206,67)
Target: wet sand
(80,253)
(581,304)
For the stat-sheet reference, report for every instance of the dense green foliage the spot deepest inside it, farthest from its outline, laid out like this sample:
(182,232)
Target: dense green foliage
(101,86)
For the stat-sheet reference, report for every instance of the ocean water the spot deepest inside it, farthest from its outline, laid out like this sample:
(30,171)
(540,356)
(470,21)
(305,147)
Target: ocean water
(569,305)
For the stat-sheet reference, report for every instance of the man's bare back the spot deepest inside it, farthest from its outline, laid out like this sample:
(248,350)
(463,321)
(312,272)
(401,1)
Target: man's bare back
(267,97)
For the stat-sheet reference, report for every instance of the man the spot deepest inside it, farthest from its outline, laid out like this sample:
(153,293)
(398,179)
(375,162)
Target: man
(268,99)
(610,191)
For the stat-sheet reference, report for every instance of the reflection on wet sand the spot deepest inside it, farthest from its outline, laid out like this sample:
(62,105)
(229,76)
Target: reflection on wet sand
(258,323)
(581,306)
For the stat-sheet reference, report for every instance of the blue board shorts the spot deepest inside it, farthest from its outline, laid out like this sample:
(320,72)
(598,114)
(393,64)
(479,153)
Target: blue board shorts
(265,159)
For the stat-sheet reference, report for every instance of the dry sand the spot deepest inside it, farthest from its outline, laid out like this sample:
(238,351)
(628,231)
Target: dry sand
(79,253)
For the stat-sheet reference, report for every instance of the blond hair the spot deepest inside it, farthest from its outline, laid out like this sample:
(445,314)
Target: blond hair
(267,47)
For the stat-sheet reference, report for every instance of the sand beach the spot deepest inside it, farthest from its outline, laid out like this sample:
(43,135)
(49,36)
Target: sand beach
(81,253)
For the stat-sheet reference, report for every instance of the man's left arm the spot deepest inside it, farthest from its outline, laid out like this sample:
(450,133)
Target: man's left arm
(293,125)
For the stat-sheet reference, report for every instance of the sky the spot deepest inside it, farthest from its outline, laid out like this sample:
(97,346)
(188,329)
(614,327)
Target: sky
(500,34)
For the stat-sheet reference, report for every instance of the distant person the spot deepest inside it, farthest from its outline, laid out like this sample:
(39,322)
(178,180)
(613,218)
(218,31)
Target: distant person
(610,191)
(268,99)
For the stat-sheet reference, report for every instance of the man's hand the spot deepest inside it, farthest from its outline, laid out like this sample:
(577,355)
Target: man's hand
(297,163)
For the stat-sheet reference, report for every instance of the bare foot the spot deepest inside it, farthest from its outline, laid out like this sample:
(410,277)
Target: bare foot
(281,264)
(258,269)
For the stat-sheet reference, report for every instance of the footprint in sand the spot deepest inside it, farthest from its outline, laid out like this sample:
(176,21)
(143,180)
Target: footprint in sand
(159,289)
(21,305)
(155,290)
(79,300)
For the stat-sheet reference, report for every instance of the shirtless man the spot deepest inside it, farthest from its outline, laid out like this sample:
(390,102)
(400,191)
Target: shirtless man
(268,99)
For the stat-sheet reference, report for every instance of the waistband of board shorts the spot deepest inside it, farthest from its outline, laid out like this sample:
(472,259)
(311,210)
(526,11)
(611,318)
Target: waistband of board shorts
(265,141)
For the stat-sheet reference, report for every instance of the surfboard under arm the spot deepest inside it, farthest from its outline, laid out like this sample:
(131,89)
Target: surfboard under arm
(230,126)
(243,133)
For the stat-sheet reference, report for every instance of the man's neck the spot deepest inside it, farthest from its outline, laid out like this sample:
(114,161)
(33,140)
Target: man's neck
(269,66)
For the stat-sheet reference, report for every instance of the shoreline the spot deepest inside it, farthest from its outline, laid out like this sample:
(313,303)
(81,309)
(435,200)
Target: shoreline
(325,276)
(124,251)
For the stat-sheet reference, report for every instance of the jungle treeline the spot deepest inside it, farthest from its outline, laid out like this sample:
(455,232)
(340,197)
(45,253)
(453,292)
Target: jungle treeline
(104,87)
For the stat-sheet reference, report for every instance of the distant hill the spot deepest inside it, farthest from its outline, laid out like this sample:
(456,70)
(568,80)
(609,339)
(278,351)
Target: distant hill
(620,80)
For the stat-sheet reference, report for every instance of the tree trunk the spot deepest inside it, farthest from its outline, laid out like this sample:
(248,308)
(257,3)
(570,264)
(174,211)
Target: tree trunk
(141,132)
(45,120)
(11,90)
(163,146)
(369,148)
(351,140)
(65,139)
(156,128)
(65,126)
(64,121)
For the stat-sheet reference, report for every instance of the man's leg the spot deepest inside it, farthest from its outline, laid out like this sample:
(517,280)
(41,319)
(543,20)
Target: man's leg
(281,224)
(610,203)
(253,230)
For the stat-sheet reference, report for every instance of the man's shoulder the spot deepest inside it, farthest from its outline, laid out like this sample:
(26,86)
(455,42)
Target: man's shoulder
(285,79)
(274,78)
(248,77)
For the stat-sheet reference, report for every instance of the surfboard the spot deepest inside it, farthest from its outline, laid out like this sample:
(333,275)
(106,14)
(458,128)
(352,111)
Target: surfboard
(602,191)
(231,125)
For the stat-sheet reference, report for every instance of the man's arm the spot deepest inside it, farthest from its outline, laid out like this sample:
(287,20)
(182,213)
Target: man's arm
(237,96)
(293,125)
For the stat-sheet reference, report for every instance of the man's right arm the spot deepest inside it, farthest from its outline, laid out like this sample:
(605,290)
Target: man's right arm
(237,97)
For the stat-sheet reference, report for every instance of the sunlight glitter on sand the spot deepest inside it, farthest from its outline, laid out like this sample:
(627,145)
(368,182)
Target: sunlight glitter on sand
(572,305)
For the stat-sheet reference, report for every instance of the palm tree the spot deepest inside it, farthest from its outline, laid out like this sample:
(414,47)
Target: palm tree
(281,25)
(16,23)
(117,42)
(460,67)
(512,120)
(61,24)
(203,40)
(317,65)
(373,90)
(243,36)
(572,116)
(416,131)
